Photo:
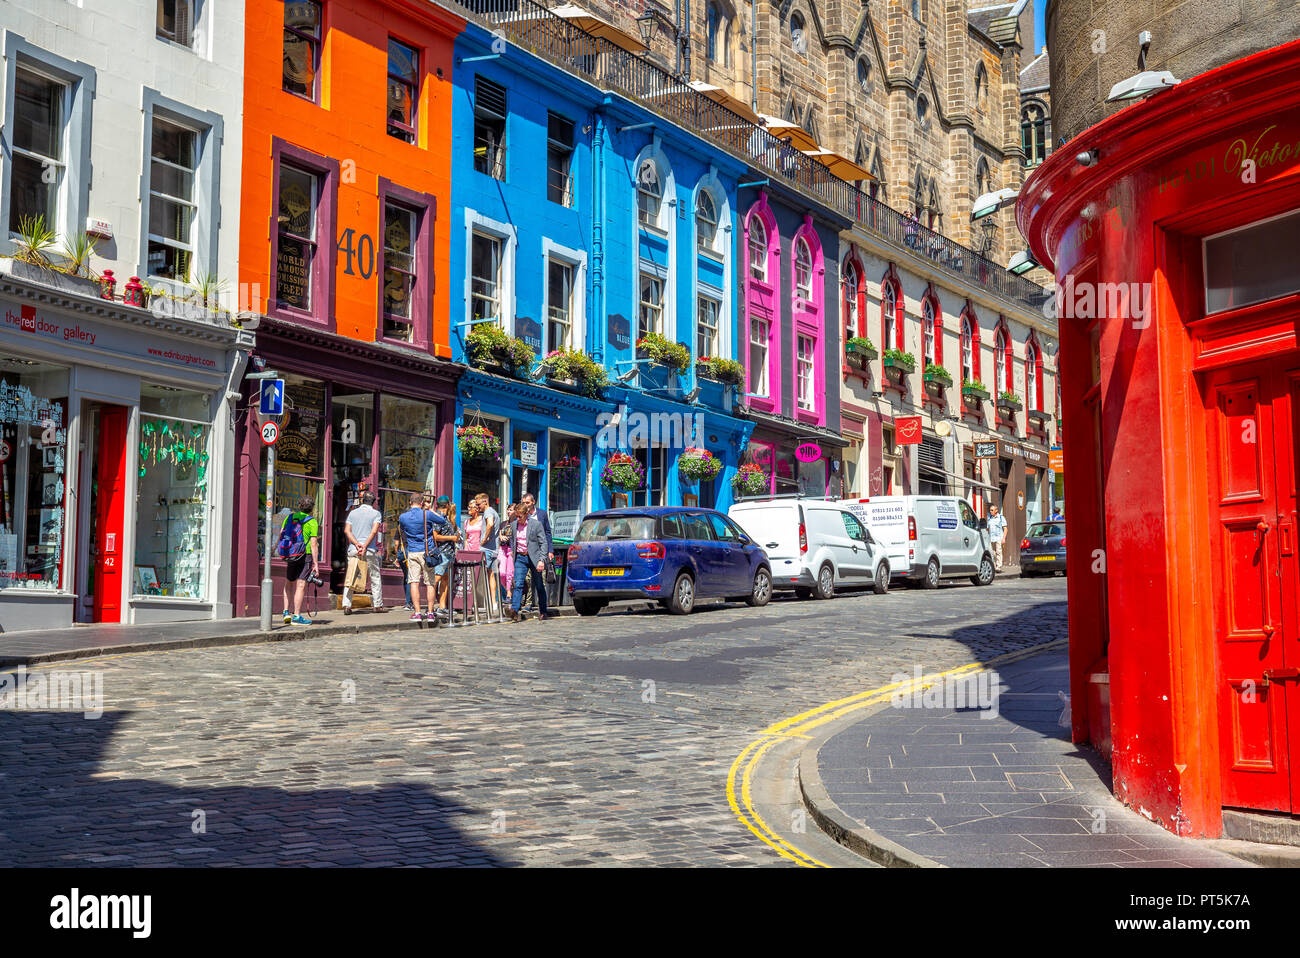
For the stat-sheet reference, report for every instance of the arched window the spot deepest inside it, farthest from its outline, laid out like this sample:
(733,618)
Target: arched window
(851,290)
(864,74)
(803,265)
(1033,376)
(967,351)
(927,332)
(757,247)
(1033,133)
(798,33)
(706,220)
(888,317)
(982,183)
(981,87)
(922,110)
(935,221)
(713,19)
(649,193)
(877,187)
(1001,362)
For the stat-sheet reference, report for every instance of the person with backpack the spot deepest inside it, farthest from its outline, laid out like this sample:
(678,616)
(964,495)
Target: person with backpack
(299,544)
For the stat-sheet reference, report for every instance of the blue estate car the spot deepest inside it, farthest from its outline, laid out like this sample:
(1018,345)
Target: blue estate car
(672,554)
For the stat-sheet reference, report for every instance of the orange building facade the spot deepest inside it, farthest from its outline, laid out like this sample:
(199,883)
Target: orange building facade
(344,254)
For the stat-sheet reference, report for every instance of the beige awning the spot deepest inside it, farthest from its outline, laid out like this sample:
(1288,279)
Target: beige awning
(720,96)
(792,133)
(840,166)
(585,20)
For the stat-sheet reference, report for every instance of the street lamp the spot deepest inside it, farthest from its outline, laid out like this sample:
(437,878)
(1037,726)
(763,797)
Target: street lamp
(1021,263)
(990,203)
(646,24)
(1144,83)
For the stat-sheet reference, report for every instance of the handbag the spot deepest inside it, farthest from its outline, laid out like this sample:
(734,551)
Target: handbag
(427,564)
(551,577)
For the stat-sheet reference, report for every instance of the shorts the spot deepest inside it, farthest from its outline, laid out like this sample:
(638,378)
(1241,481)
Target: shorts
(416,570)
(297,568)
(442,565)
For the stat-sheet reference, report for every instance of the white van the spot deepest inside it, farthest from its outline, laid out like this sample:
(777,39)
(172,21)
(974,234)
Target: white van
(929,538)
(813,545)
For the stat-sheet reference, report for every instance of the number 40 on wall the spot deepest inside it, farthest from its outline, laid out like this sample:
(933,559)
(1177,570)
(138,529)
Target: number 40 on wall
(364,253)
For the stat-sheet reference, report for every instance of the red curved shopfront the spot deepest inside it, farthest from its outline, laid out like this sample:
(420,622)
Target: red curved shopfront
(1177,259)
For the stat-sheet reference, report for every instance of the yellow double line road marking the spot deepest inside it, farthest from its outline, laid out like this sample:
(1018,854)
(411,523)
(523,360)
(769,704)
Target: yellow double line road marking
(740,777)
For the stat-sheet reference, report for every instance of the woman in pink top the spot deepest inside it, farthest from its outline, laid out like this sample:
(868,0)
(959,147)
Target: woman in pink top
(474,527)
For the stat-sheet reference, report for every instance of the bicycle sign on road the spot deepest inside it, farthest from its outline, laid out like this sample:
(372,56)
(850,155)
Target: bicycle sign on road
(270,433)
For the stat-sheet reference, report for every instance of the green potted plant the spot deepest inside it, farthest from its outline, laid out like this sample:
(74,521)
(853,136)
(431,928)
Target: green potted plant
(697,464)
(897,359)
(720,370)
(77,251)
(974,389)
(934,373)
(861,349)
(750,480)
(1007,399)
(571,366)
(477,441)
(488,345)
(34,259)
(661,350)
(34,242)
(622,472)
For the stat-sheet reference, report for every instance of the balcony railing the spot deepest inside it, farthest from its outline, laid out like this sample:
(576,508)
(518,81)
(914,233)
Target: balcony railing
(532,27)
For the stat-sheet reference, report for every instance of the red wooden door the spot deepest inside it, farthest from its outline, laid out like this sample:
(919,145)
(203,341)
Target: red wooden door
(1253,411)
(111,505)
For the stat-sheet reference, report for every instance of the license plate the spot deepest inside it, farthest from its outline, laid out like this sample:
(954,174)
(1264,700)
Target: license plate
(616,571)
(1044,558)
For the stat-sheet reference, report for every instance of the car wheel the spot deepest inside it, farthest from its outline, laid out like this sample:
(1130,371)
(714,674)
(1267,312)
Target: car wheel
(825,581)
(931,580)
(985,574)
(803,593)
(587,606)
(881,585)
(762,591)
(683,599)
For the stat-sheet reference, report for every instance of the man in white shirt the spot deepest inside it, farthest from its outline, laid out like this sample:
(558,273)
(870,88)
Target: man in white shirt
(997,533)
(364,530)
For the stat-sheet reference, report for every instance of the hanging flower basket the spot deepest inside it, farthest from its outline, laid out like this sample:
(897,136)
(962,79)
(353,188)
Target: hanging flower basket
(698,465)
(750,480)
(565,468)
(478,442)
(622,472)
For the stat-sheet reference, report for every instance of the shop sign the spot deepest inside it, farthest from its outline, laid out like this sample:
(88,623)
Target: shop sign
(528,453)
(620,332)
(1034,457)
(1056,459)
(808,452)
(907,431)
(985,450)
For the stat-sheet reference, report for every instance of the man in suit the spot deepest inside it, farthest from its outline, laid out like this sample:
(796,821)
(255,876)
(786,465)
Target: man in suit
(531,539)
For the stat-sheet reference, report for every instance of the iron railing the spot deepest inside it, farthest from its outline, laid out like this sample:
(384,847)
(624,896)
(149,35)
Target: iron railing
(536,29)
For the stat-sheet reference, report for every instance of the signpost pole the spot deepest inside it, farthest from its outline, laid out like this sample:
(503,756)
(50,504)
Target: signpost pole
(266,540)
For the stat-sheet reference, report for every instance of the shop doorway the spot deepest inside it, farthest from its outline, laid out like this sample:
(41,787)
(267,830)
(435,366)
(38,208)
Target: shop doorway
(1253,421)
(102,523)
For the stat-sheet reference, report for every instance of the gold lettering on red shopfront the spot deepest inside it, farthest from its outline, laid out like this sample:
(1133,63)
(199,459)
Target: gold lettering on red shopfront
(1238,153)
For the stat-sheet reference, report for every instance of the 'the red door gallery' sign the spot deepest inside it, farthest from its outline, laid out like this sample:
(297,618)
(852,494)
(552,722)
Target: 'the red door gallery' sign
(907,430)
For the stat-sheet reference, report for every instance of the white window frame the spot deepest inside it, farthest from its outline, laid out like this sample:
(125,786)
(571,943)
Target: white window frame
(577,261)
(720,252)
(641,302)
(763,387)
(708,294)
(967,350)
(643,217)
(475,222)
(927,333)
(760,262)
(803,270)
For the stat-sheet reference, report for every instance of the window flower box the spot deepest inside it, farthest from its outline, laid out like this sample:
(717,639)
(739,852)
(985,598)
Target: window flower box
(726,371)
(1039,417)
(1009,402)
(569,367)
(974,392)
(897,359)
(489,347)
(859,352)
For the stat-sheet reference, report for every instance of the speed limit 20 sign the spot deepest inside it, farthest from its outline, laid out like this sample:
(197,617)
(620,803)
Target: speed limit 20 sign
(270,433)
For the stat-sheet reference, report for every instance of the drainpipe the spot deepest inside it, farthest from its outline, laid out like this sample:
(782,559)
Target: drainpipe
(596,325)
(685,42)
(753,55)
(677,39)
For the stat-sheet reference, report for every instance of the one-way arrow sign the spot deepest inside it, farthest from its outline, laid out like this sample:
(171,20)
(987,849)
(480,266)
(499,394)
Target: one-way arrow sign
(272,398)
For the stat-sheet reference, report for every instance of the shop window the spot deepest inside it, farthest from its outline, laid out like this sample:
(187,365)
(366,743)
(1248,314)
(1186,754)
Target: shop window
(401,227)
(352,443)
(1251,264)
(298,197)
(38,167)
(483,474)
(33,497)
(299,452)
(757,248)
(172,532)
(528,459)
(706,326)
(804,375)
(649,193)
(403,90)
(654,459)
(759,334)
(559,159)
(650,315)
(566,490)
(559,305)
(176,21)
(302,36)
(485,277)
(489,128)
(407,452)
(803,267)
(172,179)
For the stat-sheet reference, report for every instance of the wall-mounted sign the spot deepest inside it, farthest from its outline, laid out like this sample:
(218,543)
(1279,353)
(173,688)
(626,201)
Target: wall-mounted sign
(528,453)
(1034,457)
(620,332)
(985,450)
(907,431)
(1056,459)
(530,331)
(808,452)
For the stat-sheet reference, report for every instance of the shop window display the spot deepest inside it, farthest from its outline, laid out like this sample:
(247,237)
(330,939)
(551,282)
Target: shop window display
(299,453)
(171,533)
(352,443)
(483,473)
(407,449)
(567,484)
(33,473)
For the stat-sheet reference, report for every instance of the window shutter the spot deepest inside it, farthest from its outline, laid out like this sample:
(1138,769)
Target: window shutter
(489,96)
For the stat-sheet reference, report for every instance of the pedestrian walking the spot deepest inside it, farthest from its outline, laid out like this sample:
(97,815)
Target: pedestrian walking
(506,557)
(299,545)
(416,523)
(364,530)
(998,534)
(532,547)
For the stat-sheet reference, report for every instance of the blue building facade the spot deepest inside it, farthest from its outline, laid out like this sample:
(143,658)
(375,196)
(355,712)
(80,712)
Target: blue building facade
(581,222)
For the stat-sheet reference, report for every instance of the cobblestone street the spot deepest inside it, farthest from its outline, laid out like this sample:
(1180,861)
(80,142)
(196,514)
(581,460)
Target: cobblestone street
(574,741)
